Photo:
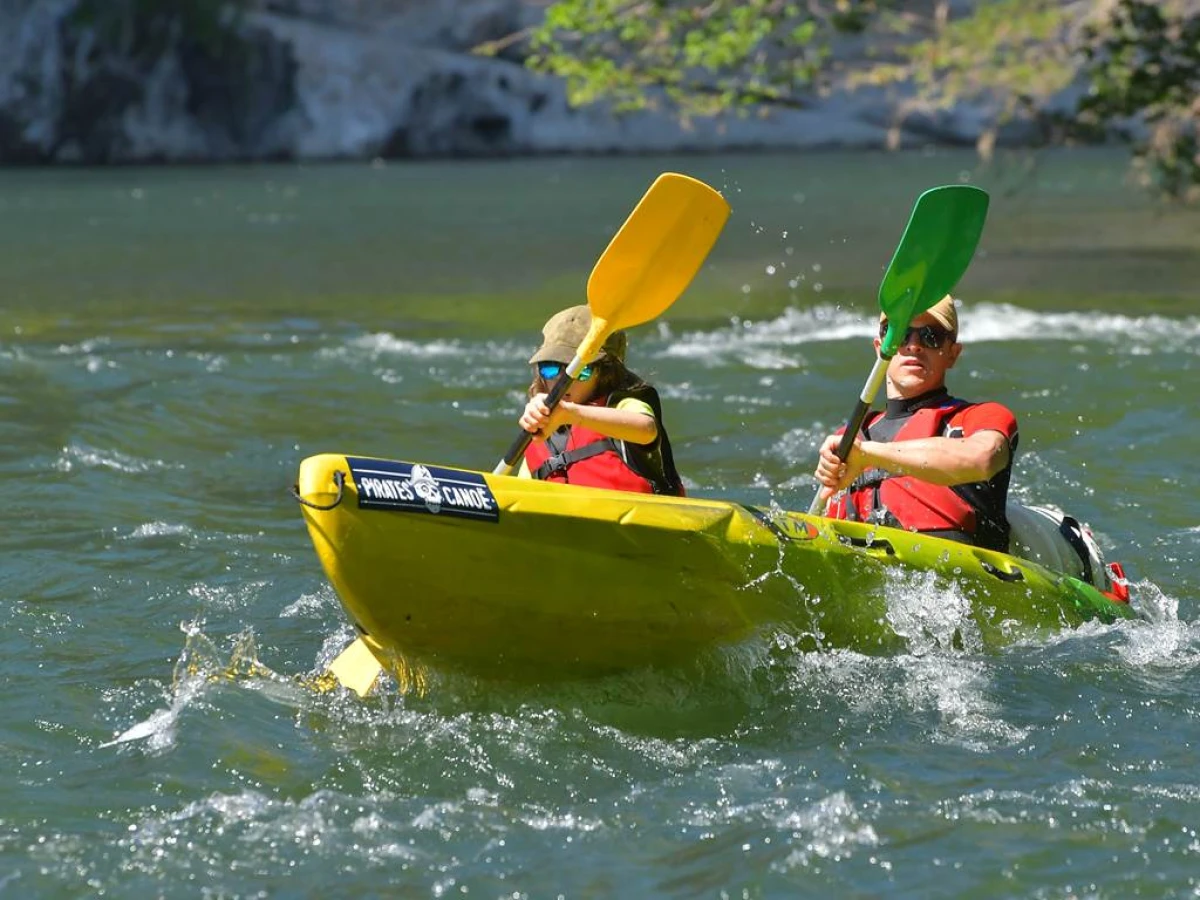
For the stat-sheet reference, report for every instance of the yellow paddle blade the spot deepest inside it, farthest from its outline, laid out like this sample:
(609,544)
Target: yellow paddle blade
(653,258)
(644,269)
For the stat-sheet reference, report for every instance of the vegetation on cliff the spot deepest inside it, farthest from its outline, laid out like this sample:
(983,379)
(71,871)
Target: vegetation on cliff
(1084,69)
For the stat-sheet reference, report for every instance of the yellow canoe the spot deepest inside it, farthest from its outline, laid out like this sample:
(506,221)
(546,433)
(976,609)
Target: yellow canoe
(510,577)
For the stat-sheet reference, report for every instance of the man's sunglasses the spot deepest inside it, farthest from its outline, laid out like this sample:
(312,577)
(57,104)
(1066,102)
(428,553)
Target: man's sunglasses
(551,370)
(930,336)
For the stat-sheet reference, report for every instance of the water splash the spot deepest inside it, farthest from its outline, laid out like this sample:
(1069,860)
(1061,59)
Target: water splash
(929,612)
(199,664)
(152,530)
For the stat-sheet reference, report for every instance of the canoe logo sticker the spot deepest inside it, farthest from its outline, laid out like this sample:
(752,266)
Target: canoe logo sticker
(785,526)
(426,487)
(412,487)
(797,529)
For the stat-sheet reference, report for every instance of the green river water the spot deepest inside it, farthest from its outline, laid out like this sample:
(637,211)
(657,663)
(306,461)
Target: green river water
(174,341)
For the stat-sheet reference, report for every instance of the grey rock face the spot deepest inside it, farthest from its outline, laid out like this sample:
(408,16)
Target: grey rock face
(318,79)
(69,93)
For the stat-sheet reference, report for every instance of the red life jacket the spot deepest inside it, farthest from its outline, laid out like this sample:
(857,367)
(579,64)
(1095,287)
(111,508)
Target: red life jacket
(582,456)
(906,502)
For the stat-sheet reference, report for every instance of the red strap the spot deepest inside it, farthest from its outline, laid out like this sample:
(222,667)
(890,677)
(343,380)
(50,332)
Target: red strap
(1120,586)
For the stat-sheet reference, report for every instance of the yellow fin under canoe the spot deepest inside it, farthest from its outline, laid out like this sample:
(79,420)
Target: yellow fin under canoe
(357,668)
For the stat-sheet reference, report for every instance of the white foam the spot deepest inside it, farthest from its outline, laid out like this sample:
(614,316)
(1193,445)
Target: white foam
(388,344)
(84,348)
(1004,322)
(157,529)
(76,455)
(761,344)
(384,344)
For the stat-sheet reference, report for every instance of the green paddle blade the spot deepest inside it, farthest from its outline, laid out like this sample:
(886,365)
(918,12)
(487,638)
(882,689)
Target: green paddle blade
(933,254)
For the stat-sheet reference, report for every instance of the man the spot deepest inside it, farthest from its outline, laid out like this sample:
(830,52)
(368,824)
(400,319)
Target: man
(930,462)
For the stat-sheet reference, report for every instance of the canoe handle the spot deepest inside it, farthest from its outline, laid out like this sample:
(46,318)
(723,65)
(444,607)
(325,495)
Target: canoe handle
(1015,574)
(339,478)
(878,545)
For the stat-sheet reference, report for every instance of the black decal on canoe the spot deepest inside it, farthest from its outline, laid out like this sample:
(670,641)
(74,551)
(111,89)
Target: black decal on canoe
(413,487)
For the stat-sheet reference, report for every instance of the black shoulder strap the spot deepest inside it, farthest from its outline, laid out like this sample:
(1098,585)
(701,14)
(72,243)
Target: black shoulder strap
(557,442)
(873,416)
(655,463)
(564,459)
(869,478)
(954,405)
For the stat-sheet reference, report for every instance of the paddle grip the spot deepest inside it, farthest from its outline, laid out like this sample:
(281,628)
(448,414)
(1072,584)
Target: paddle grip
(517,448)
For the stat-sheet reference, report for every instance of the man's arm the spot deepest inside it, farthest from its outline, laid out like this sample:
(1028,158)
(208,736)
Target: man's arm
(938,460)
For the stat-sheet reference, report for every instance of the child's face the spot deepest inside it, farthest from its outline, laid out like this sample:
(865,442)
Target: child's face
(581,391)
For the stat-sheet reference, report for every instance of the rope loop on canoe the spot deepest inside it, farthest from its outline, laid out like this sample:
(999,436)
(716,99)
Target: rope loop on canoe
(339,478)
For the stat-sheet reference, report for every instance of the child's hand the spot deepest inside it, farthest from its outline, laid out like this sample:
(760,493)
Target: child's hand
(539,420)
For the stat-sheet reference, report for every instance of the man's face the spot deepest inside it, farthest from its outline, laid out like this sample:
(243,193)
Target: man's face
(917,369)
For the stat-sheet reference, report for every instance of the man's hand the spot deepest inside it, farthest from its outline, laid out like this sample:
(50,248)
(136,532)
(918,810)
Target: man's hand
(835,474)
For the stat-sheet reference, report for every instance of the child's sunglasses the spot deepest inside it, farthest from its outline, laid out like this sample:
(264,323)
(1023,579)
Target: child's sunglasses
(551,370)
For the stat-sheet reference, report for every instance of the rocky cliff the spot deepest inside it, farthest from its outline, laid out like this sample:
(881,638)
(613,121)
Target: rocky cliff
(326,79)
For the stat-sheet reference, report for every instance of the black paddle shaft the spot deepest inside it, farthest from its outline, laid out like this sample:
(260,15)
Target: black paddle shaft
(517,449)
(852,428)
(863,406)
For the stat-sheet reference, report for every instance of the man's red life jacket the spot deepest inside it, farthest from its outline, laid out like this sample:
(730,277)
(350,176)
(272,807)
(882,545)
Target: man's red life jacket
(582,456)
(903,501)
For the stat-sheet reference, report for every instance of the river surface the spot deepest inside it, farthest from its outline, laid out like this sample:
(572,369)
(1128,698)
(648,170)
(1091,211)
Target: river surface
(173,343)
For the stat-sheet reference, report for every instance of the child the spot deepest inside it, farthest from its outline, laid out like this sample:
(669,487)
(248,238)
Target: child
(607,432)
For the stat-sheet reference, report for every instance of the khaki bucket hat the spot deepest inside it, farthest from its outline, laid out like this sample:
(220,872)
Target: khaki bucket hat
(565,331)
